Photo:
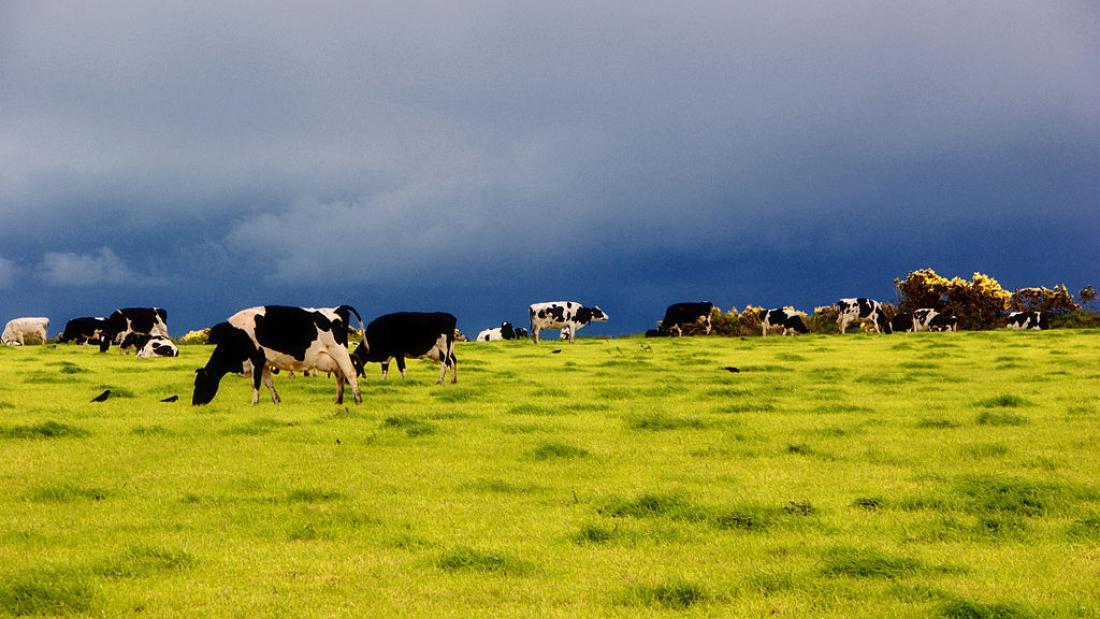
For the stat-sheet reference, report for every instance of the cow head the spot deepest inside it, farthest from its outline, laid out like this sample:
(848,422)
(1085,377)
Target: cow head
(507,331)
(233,348)
(598,315)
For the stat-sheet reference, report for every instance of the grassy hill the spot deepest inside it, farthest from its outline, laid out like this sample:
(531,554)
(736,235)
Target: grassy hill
(943,474)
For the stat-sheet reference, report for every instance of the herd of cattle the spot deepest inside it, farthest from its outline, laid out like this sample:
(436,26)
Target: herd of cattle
(260,341)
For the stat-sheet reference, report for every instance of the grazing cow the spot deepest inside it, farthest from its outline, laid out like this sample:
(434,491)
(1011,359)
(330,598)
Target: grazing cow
(18,328)
(149,346)
(257,339)
(854,310)
(904,323)
(565,315)
(1027,320)
(139,320)
(943,322)
(85,330)
(679,315)
(504,332)
(789,320)
(409,334)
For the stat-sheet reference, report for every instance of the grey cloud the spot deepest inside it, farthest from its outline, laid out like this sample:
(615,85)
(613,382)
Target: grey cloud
(99,267)
(7,272)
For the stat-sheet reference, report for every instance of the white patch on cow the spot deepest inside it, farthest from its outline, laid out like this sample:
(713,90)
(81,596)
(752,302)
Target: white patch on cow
(158,346)
(19,328)
(490,335)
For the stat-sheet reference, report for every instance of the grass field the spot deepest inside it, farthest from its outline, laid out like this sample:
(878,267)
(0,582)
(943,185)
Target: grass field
(930,474)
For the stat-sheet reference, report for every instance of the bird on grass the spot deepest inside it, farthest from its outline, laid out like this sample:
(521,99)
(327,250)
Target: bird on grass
(103,396)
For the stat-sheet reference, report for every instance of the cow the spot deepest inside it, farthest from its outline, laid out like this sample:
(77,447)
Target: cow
(149,346)
(521,333)
(85,330)
(139,320)
(904,323)
(565,315)
(854,310)
(19,328)
(680,315)
(943,322)
(504,332)
(922,318)
(789,320)
(1027,320)
(257,339)
(409,334)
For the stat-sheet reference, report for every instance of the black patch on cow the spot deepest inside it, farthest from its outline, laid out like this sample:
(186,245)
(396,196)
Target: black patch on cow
(82,330)
(656,333)
(583,315)
(680,314)
(507,331)
(290,330)
(903,322)
(404,334)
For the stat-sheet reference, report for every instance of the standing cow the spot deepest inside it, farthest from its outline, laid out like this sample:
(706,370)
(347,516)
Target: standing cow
(257,339)
(19,328)
(789,320)
(1027,320)
(139,320)
(680,315)
(565,315)
(854,310)
(428,335)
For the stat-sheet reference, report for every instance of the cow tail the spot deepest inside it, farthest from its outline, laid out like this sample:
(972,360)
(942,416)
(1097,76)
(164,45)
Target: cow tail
(343,311)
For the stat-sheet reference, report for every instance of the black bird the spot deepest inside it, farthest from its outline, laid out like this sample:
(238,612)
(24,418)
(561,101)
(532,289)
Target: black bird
(171,398)
(554,352)
(103,396)
(730,368)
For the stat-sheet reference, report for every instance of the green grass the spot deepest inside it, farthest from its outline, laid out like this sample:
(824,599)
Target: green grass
(913,475)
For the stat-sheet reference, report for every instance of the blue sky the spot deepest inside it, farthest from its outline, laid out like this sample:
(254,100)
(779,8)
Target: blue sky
(475,157)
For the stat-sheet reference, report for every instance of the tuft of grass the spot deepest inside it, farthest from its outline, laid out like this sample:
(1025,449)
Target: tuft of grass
(937,423)
(868,563)
(748,518)
(46,429)
(673,595)
(593,534)
(66,493)
(965,609)
(1085,529)
(457,394)
(766,367)
(657,421)
(465,559)
(651,505)
(530,409)
(988,494)
(139,561)
(1005,400)
(154,430)
(549,450)
(257,427)
(985,450)
(746,407)
(988,418)
(800,448)
(314,495)
(869,503)
(116,391)
(46,592)
(412,426)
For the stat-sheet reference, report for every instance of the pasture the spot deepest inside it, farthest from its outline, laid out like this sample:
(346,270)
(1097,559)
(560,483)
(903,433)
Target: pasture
(928,474)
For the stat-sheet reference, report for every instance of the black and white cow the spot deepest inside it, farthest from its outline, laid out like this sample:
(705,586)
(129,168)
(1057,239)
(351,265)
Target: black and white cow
(258,339)
(922,318)
(504,332)
(149,346)
(139,320)
(789,320)
(854,310)
(521,333)
(28,326)
(1027,320)
(904,322)
(85,330)
(943,322)
(428,335)
(680,315)
(565,315)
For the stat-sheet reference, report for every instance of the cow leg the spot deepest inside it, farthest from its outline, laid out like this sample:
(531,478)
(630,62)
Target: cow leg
(454,368)
(346,372)
(443,363)
(385,368)
(270,384)
(339,388)
(763,329)
(401,365)
(842,323)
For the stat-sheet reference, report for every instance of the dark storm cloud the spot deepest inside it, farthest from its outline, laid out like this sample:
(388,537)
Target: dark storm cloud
(375,142)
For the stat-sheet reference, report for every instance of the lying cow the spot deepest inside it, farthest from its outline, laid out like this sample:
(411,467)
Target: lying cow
(855,310)
(85,330)
(504,332)
(19,328)
(904,322)
(409,334)
(138,320)
(257,339)
(521,333)
(789,320)
(1027,320)
(565,315)
(943,322)
(149,346)
(680,315)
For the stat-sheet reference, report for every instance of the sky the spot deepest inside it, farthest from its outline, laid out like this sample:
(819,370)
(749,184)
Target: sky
(476,157)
